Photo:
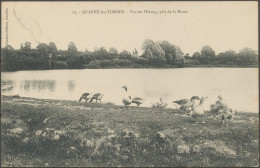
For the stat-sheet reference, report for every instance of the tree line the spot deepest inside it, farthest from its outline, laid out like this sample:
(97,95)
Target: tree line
(162,54)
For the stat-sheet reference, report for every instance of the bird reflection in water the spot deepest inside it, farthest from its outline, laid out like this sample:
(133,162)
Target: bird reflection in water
(40,85)
(71,85)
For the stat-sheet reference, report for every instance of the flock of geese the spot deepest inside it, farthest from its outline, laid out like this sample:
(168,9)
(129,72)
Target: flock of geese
(126,100)
(196,112)
(86,96)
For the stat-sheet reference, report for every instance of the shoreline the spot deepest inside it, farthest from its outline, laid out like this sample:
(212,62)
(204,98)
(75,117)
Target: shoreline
(102,104)
(203,66)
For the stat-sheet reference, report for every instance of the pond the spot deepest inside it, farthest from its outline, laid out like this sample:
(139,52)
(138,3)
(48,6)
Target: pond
(239,86)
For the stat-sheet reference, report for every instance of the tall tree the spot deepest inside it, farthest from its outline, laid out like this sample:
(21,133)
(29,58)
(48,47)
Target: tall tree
(52,49)
(173,53)
(247,56)
(169,50)
(72,49)
(153,52)
(113,50)
(125,54)
(21,47)
(27,47)
(228,57)
(207,55)
(196,55)
(42,48)
(100,53)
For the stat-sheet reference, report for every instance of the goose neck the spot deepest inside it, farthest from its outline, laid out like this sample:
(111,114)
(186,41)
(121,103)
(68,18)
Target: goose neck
(201,103)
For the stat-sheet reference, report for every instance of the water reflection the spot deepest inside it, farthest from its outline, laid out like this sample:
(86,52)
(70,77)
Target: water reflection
(7,85)
(27,86)
(7,82)
(237,85)
(38,85)
(71,85)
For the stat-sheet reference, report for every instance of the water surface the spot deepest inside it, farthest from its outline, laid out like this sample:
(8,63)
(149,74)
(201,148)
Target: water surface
(239,86)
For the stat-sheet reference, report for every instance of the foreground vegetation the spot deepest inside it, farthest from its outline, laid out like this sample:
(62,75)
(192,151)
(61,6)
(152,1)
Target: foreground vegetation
(160,54)
(37,132)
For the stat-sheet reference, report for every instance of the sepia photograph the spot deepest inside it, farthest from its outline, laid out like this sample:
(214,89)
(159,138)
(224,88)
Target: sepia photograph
(129,84)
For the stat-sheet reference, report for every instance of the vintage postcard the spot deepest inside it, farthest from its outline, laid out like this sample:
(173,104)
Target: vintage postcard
(129,84)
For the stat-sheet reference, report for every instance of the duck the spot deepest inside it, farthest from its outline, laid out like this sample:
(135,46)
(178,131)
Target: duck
(186,103)
(84,96)
(138,101)
(227,116)
(198,110)
(97,96)
(219,105)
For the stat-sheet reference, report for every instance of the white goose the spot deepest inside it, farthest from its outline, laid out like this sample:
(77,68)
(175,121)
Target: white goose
(186,103)
(216,108)
(198,110)
(126,99)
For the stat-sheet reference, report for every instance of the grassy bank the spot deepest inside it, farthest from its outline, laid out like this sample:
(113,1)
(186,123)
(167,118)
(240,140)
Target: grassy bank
(37,132)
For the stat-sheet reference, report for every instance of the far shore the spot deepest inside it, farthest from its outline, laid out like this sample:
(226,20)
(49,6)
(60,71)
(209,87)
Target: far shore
(148,67)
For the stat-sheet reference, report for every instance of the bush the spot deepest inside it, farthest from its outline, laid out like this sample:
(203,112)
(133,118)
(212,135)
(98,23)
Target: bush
(160,104)
(93,64)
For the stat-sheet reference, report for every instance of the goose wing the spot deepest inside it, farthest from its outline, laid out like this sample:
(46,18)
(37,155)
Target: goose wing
(182,101)
(100,96)
(223,103)
(195,97)
(85,95)
(219,105)
(214,108)
(187,105)
(96,95)
(137,100)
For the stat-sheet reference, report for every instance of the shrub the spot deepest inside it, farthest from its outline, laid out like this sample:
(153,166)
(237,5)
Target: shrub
(160,104)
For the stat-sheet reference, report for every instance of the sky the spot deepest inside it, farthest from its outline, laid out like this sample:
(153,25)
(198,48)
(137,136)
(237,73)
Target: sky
(221,25)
